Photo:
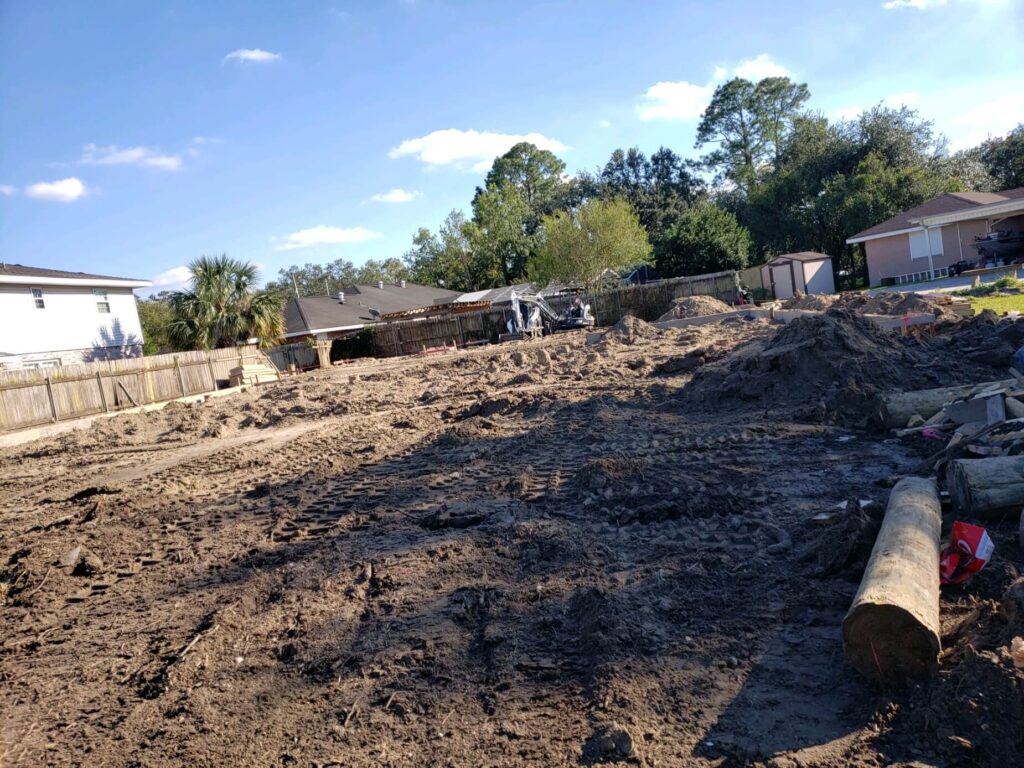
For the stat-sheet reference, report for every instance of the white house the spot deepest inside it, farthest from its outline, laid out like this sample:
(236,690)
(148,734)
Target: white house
(49,317)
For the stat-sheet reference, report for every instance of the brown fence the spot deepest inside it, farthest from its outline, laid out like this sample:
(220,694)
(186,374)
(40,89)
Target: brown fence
(648,302)
(41,396)
(651,300)
(412,336)
(301,355)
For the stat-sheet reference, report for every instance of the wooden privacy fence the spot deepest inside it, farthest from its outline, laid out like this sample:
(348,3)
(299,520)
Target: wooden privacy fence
(301,355)
(650,301)
(41,396)
(412,336)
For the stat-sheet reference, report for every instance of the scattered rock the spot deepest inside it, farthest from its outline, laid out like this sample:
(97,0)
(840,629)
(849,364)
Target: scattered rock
(83,562)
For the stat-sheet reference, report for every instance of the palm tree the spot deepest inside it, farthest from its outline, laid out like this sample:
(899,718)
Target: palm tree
(223,307)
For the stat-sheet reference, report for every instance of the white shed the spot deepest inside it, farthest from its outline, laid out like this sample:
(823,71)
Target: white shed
(807,271)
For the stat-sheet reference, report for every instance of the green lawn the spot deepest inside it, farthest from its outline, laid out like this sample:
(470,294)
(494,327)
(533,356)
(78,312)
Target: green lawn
(1001,304)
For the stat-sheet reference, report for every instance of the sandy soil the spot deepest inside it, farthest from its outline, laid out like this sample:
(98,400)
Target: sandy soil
(541,554)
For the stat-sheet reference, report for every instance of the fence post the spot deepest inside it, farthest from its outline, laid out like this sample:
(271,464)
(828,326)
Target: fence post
(177,370)
(49,395)
(103,395)
(213,378)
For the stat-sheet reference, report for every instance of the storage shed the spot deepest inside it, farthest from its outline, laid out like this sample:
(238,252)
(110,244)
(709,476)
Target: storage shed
(807,271)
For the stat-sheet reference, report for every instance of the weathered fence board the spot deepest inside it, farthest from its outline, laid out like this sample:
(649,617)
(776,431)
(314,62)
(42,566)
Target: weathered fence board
(38,396)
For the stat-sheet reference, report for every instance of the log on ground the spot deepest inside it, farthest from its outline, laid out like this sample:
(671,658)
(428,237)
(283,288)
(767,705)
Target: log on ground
(891,632)
(986,488)
(894,409)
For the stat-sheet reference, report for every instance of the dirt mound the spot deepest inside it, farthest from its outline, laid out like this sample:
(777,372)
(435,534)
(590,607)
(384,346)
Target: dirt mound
(816,301)
(695,306)
(833,364)
(630,330)
(888,303)
(894,303)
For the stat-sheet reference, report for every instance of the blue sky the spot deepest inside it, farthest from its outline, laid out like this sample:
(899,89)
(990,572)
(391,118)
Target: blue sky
(137,136)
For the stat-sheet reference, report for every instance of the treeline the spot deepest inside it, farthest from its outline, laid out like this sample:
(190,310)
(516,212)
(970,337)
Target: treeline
(775,177)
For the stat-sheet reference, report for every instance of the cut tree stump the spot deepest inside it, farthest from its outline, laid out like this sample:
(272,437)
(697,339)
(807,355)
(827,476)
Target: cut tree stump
(986,488)
(891,632)
(893,410)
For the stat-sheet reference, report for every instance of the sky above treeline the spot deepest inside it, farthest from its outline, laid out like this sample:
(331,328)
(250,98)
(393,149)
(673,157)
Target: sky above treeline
(135,137)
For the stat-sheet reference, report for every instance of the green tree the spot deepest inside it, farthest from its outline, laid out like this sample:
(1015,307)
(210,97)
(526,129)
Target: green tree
(155,316)
(390,270)
(579,246)
(659,188)
(536,174)
(750,124)
(1004,158)
(223,308)
(449,259)
(315,279)
(502,231)
(707,238)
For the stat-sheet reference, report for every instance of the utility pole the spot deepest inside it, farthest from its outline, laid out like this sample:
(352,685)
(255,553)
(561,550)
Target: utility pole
(295,285)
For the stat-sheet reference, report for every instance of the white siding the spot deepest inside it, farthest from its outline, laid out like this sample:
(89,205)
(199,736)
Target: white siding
(818,276)
(70,322)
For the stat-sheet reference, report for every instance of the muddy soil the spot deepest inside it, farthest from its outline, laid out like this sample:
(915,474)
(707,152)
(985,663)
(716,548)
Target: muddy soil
(539,554)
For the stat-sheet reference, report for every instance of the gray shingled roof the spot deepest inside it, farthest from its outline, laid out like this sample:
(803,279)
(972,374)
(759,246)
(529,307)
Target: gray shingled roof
(309,314)
(804,256)
(947,203)
(19,270)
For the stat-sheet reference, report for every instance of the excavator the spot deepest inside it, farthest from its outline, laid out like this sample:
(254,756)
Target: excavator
(533,316)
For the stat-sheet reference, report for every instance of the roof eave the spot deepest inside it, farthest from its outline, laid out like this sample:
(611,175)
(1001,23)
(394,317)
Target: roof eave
(864,238)
(84,282)
(991,210)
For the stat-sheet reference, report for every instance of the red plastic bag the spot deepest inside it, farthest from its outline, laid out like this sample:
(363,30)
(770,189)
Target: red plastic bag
(969,549)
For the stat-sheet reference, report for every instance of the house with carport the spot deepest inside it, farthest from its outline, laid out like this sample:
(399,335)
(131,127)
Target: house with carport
(923,242)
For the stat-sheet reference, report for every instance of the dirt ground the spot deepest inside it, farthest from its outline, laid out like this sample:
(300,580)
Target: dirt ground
(543,553)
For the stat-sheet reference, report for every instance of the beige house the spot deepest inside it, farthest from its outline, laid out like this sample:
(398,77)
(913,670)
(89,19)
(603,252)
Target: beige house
(807,271)
(923,242)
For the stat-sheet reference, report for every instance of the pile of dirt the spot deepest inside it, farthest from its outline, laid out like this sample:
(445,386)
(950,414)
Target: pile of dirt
(630,330)
(832,365)
(815,301)
(695,306)
(887,303)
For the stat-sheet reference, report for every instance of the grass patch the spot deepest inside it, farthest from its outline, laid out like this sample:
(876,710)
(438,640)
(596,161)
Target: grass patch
(999,304)
(987,289)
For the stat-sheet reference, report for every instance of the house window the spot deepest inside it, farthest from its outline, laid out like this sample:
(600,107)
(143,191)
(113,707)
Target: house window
(102,304)
(37,297)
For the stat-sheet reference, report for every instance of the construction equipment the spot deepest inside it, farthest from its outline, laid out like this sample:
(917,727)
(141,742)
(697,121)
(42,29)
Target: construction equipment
(533,316)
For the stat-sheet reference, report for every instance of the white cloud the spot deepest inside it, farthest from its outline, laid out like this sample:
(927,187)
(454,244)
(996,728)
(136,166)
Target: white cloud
(323,235)
(758,68)
(141,156)
(256,55)
(682,100)
(62,191)
(674,101)
(395,196)
(919,5)
(6,190)
(923,5)
(207,140)
(996,117)
(476,149)
(604,123)
(905,99)
(175,277)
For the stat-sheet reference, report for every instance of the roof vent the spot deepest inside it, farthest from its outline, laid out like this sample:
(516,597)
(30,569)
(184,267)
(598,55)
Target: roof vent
(401,283)
(380,284)
(341,297)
